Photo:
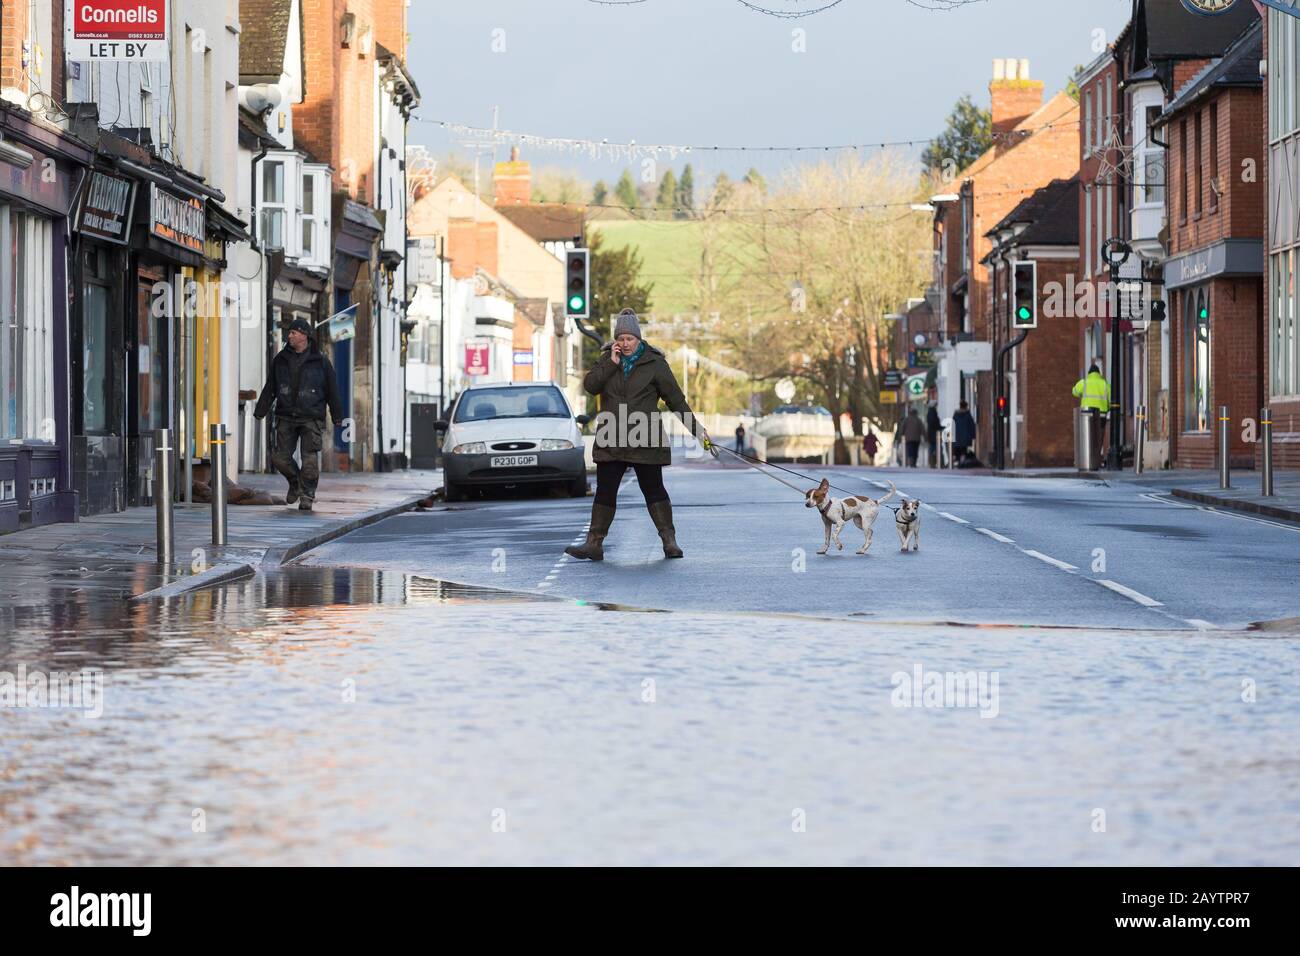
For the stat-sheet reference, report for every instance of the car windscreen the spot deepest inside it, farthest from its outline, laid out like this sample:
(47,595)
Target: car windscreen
(485,404)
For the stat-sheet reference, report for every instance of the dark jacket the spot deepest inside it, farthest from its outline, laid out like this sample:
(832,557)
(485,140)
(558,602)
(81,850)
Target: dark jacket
(913,427)
(306,398)
(963,429)
(628,407)
(932,426)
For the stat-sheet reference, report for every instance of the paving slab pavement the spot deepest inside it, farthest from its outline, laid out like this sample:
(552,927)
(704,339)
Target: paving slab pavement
(114,556)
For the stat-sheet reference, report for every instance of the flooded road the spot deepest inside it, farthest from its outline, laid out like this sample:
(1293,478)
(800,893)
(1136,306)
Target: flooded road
(342,716)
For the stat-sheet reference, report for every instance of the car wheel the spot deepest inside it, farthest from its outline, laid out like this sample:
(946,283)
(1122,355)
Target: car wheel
(578,487)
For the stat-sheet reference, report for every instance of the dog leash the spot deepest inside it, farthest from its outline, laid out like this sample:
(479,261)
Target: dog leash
(754,462)
(715,447)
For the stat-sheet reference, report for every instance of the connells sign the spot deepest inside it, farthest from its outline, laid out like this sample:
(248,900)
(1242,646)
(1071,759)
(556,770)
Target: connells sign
(134,30)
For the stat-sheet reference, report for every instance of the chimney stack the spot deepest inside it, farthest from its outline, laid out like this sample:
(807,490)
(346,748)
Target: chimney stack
(513,181)
(1014,96)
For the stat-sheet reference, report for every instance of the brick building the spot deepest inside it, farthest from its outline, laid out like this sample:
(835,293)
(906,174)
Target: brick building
(1214,274)
(1038,243)
(1034,143)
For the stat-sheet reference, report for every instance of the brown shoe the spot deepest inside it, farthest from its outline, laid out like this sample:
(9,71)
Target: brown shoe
(602,516)
(661,512)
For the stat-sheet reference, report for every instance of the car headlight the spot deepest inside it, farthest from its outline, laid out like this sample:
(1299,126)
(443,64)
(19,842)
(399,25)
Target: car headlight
(556,444)
(472,448)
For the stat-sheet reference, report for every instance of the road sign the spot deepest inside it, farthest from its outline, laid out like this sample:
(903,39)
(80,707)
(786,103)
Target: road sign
(916,385)
(893,379)
(889,398)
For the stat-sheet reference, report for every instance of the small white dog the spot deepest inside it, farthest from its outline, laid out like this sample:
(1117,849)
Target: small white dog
(907,521)
(837,512)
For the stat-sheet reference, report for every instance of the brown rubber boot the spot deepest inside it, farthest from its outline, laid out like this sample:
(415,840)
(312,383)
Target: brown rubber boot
(602,516)
(662,514)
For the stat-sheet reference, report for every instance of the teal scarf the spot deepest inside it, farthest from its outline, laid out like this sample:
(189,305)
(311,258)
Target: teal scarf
(630,360)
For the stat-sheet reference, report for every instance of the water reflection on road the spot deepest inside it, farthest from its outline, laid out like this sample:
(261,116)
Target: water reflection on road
(346,716)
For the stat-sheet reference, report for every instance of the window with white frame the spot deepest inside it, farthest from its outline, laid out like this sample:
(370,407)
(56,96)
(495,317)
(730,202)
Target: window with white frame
(273,211)
(314,204)
(26,327)
(1151,162)
(1284,254)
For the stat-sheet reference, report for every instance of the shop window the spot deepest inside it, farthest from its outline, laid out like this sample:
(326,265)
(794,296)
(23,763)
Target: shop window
(1285,379)
(1197,311)
(26,327)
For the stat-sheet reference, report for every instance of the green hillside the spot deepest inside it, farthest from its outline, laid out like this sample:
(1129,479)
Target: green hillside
(671,251)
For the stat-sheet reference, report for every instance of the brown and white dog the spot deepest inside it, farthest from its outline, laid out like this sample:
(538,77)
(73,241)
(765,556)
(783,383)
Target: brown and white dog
(907,521)
(837,512)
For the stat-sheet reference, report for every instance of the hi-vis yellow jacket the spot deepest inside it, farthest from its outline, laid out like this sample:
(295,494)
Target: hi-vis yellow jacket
(1093,392)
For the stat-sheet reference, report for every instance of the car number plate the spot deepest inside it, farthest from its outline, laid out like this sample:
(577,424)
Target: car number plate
(513,461)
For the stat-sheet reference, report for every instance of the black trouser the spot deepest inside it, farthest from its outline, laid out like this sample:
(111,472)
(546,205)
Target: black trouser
(610,473)
(913,449)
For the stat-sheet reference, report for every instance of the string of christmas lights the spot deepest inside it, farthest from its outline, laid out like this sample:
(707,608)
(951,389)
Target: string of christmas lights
(632,150)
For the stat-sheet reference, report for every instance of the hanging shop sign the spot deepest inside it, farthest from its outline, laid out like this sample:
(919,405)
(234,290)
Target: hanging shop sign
(133,30)
(179,220)
(343,325)
(523,356)
(106,206)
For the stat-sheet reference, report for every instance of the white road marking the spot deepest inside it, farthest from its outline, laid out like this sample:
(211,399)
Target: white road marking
(995,536)
(928,507)
(1222,513)
(1200,625)
(1129,593)
(1052,561)
(944,514)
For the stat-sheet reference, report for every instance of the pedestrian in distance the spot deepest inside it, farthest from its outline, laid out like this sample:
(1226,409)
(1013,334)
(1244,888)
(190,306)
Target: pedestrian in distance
(740,439)
(870,446)
(913,433)
(1093,393)
(300,387)
(933,427)
(631,378)
(963,433)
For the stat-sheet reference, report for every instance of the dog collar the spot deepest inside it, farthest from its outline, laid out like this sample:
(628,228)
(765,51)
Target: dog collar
(824,510)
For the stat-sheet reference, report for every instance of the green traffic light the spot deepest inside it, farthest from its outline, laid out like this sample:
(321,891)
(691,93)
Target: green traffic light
(1205,313)
(1024,314)
(576,303)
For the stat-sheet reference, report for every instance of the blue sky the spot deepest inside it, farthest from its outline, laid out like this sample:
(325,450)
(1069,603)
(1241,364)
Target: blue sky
(713,71)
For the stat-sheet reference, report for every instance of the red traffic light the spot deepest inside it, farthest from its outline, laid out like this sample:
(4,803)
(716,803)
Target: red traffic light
(1002,405)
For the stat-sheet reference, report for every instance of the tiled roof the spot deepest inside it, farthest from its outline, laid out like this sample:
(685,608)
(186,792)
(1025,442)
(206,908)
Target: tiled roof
(546,221)
(1052,214)
(1239,66)
(265,33)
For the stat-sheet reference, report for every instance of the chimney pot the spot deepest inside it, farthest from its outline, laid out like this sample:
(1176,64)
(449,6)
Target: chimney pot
(1024,69)
(999,69)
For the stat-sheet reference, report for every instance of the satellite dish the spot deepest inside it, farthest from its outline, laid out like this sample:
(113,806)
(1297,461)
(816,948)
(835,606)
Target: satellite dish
(785,390)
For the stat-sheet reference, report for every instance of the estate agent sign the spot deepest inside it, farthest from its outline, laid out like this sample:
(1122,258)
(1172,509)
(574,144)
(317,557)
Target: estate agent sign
(134,30)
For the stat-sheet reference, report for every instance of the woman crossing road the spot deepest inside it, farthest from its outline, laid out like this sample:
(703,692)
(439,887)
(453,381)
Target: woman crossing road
(631,378)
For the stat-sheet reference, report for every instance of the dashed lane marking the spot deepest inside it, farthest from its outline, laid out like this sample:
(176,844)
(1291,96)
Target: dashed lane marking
(1050,560)
(1129,593)
(952,517)
(1200,625)
(995,536)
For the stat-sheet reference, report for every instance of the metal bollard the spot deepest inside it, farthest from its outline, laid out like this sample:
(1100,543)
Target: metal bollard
(217,451)
(1140,451)
(163,457)
(1266,458)
(1224,478)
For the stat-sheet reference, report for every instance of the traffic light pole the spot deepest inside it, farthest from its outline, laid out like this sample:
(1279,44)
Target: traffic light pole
(1116,252)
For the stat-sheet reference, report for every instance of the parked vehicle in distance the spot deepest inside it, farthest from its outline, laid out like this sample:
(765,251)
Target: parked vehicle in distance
(512,433)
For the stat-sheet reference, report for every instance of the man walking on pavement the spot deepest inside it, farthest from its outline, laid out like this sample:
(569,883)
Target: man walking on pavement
(913,432)
(301,385)
(1093,392)
(932,429)
(740,439)
(963,433)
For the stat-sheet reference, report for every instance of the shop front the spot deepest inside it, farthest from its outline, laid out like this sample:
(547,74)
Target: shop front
(41,175)
(1216,297)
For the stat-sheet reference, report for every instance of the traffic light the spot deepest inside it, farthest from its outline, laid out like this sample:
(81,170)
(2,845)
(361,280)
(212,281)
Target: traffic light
(1004,409)
(1157,310)
(1025,296)
(577,271)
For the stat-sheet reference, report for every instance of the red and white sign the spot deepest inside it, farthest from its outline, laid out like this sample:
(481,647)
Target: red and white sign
(134,30)
(476,358)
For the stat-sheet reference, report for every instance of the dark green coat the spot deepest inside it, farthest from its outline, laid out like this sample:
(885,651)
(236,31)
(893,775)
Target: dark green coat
(626,402)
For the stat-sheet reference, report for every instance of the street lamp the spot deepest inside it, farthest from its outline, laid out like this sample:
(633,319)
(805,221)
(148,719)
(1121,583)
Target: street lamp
(1116,252)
